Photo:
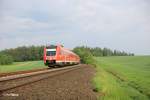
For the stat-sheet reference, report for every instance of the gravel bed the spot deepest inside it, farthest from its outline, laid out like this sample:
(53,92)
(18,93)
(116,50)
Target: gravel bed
(73,85)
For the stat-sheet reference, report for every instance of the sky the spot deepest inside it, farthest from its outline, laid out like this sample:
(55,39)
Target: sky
(116,24)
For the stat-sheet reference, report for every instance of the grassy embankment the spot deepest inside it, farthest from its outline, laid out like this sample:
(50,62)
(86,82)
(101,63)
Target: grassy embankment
(20,66)
(123,78)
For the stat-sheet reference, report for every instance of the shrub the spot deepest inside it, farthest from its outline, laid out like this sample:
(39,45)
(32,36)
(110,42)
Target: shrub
(85,55)
(5,59)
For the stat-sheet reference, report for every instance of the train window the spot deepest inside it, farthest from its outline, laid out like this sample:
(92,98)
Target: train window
(51,53)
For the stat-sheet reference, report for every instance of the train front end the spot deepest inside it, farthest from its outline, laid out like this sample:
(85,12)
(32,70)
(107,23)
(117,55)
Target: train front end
(50,55)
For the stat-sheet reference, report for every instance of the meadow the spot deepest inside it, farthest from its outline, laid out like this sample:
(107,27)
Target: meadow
(21,66)
(123,77)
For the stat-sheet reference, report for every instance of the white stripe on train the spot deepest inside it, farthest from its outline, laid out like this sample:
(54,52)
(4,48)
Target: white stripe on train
(67,61)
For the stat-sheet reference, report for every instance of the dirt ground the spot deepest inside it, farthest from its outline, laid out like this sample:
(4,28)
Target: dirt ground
(74,85)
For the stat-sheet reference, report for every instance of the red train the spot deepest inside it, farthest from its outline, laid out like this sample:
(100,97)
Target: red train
(58,56)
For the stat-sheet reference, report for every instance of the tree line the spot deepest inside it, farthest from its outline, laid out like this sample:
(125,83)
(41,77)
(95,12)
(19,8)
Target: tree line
(24,53)
(31,53)
(87,53)
(97,51)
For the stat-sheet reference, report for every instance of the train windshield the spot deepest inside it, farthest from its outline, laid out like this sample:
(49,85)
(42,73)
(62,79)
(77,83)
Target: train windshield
(51,52)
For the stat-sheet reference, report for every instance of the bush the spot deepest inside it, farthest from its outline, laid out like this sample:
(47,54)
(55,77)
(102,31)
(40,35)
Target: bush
(5,59)
(85,55)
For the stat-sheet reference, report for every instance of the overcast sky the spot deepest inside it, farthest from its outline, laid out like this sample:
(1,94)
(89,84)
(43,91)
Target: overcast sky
(116,24)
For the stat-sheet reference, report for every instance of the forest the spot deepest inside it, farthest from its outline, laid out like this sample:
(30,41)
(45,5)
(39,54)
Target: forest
(33,53)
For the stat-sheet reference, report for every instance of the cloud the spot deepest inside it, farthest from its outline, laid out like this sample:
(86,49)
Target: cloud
(105,23)
(13,24)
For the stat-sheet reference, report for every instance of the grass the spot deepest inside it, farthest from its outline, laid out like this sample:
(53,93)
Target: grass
(123,78)
(21,66)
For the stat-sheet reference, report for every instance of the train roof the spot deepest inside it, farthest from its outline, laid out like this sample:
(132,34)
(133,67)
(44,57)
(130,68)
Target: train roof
(55,46)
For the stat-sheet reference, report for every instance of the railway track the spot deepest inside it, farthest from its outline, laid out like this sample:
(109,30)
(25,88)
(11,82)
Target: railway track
(19,80)
(21,72)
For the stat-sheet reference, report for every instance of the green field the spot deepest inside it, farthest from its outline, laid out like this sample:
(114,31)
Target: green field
(123,78)
(20,66)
